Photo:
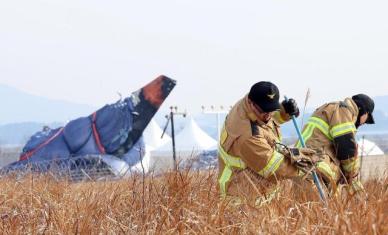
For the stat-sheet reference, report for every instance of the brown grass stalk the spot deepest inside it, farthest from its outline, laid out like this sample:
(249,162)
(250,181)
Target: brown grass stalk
(184,202)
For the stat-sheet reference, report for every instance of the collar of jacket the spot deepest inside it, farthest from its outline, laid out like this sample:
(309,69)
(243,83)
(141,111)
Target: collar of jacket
(250,113)
(352,106)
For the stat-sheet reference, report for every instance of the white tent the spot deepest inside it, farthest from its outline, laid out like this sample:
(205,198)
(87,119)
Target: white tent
(190,142)
(152,136)
(368,148)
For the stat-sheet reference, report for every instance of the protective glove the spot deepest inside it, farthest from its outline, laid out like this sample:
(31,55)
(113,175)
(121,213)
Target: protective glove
(350,168)
(355,186)
(303,158)
(291,107)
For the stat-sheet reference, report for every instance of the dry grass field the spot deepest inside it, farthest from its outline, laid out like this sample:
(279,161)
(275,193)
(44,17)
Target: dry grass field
(179,203)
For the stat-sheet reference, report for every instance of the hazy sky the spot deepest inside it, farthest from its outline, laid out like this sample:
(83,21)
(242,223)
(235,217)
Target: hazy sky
(87,50)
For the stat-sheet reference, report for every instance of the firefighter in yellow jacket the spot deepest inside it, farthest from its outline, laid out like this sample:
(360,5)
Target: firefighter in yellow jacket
(330,131)
(250,160)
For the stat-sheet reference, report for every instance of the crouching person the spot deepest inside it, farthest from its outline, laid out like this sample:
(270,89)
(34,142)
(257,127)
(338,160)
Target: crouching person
(251,161)
(331,131)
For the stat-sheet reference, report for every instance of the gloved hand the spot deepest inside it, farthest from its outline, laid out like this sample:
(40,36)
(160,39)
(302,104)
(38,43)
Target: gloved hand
(303,158)
(350,168)
(355,186)
(291,107)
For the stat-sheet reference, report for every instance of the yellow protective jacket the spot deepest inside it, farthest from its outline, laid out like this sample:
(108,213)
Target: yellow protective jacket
(248,160)
(327,125)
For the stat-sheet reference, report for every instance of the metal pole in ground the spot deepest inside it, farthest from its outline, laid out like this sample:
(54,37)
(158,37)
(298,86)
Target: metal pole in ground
(170,117)
(315,176)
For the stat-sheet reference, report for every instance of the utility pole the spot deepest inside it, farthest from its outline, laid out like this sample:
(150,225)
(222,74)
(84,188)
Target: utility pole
(217,112)
(170,117)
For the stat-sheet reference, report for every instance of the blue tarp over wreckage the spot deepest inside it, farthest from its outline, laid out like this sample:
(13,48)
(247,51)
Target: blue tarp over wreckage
(98,141)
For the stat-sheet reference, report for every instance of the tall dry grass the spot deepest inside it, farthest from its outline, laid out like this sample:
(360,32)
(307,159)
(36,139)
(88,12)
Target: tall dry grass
(182,202)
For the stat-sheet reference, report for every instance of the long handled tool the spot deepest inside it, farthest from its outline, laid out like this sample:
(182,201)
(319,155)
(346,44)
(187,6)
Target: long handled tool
(315,176)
